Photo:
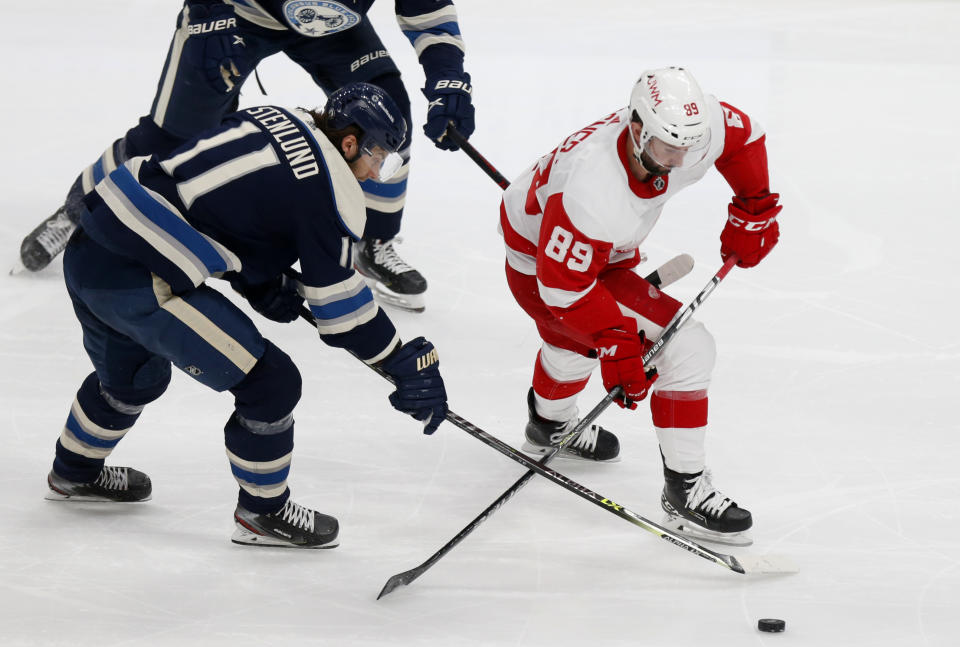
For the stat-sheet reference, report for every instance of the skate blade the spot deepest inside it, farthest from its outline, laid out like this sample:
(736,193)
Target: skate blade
(386,296)
(244,537)
(540,450)
(690,530)
(74,498)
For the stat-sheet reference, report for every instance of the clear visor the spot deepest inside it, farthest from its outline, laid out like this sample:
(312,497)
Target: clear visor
(382,162)
(671,156)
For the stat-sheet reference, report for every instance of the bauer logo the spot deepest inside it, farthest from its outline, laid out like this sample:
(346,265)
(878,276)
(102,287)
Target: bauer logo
(428,359)
(366,58)
(318,18)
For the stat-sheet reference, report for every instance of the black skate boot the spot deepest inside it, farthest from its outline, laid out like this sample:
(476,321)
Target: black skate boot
(395,282)
(697,509)
(292,526)
(46,241)
(114,484)
(594,443)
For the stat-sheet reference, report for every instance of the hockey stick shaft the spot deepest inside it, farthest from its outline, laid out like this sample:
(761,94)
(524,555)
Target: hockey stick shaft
(475,155)
(406,577)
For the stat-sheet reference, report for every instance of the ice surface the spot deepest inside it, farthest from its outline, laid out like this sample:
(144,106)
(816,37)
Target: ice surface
(832,412)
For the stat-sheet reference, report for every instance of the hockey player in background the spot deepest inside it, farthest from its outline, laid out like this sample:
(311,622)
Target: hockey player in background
(244,202)
(572,225)
(215,48)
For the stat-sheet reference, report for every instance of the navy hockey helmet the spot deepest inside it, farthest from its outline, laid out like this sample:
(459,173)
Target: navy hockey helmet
(372,110)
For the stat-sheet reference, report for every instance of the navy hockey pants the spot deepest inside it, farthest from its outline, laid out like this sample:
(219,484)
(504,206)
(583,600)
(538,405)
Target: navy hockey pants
(134,328)
(186,105)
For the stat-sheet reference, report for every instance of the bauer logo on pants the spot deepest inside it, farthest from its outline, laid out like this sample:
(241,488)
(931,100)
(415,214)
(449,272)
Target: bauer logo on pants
(318,18)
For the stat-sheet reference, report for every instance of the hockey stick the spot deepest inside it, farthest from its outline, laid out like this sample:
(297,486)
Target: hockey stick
(763,564)
(406,577)
(475,155)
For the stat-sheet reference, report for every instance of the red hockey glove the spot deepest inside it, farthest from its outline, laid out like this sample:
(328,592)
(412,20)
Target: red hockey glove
(752,229)
(621,364)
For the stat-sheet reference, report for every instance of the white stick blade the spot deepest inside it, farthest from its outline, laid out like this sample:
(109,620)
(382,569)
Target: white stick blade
(675,269)
(767,564)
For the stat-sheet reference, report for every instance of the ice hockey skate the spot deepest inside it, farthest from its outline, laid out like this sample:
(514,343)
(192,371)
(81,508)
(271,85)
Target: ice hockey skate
(46,241)
(392,280)
(593,444)
(696,509)
(112,485)
(292,526)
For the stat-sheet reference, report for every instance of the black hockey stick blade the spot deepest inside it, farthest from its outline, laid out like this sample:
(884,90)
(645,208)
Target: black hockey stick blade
(402,579)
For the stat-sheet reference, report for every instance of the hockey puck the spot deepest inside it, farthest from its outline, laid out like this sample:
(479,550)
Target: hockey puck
(771,625)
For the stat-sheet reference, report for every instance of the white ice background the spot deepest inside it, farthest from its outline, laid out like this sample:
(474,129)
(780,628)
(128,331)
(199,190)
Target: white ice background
(833,410)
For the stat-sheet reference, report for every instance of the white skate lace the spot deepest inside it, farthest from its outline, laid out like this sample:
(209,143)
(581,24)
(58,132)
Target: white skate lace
(586,440)
(54,236)
(386,256)
(112,478)
(297,515)
(706,498)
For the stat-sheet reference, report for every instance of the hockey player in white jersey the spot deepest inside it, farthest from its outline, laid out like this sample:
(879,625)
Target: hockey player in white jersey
(572,225)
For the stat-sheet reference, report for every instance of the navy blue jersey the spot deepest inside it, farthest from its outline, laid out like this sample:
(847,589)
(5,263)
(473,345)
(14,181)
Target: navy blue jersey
(426,23)
(248,200)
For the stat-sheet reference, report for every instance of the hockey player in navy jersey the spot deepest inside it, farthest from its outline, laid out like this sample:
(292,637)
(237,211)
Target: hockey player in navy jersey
(215,48)
(244,202)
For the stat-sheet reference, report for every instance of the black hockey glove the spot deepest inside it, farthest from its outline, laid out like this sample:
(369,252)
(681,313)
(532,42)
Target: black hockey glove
(415,369)
(215,45)
(277,299)
(449,97)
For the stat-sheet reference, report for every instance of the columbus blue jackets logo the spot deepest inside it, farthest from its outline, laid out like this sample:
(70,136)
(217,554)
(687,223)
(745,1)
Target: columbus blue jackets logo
(319,17)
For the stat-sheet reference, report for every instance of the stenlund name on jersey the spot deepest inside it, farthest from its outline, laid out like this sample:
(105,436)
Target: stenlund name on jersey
(296,149)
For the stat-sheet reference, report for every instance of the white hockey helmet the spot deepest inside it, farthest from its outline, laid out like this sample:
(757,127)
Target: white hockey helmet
(676,120)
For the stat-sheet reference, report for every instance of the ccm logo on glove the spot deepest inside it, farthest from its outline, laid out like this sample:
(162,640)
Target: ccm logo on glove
(609,351)
(747,225)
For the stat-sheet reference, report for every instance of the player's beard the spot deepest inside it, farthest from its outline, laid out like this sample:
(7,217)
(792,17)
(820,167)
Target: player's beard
(650,166)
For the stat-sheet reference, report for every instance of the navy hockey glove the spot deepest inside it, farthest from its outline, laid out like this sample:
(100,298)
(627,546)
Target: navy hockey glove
(278,299)
(415,369)
(449,97)
(215,45)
